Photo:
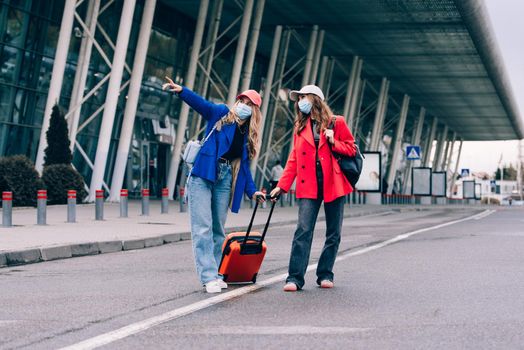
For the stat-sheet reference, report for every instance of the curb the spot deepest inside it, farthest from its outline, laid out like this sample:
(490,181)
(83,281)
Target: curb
(31,256)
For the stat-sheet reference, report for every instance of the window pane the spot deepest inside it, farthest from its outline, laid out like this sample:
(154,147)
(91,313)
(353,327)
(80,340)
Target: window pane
(13,33)
(7,64)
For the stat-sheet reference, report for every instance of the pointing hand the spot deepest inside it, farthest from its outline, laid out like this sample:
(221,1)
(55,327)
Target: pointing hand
(171,86)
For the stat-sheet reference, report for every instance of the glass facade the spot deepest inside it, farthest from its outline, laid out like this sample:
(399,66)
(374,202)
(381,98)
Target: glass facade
(29,31)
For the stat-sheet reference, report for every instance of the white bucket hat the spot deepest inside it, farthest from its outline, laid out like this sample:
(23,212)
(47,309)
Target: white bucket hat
(308,89)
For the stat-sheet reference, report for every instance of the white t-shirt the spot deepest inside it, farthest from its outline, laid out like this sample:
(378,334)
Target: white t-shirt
(276,172)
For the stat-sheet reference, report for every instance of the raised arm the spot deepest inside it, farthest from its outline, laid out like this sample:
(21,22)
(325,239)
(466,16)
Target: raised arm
(206,109)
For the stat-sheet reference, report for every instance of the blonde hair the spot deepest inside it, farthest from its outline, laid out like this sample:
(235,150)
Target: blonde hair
(254,125)
(320,111)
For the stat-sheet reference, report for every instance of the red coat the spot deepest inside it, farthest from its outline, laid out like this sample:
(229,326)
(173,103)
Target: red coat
(302,163)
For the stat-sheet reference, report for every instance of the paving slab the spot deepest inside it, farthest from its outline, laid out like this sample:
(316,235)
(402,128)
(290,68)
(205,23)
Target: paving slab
(134,244)
(53,253)
(83,249)
(110,247)
(27,256)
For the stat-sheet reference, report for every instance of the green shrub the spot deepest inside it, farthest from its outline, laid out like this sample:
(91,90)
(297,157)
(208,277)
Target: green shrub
(18,175)
(59,178)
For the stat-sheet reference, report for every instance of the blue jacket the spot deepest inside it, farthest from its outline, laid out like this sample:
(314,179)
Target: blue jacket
(218,144)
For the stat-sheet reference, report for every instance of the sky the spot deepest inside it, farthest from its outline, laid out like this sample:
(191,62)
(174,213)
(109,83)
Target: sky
(508,26)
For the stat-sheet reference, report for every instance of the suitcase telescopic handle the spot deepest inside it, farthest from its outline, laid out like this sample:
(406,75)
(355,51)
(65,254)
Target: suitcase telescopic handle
(267,222)
(253,218)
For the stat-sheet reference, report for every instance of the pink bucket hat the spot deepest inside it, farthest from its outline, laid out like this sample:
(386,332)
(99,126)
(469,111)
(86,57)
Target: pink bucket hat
(253,97)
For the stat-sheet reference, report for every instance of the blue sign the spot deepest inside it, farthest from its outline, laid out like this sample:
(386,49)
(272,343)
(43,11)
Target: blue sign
(413,152)
(493,183)
(464,173)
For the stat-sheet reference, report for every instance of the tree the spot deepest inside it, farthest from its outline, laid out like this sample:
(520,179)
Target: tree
(510,173)
(57,150)
(59,175)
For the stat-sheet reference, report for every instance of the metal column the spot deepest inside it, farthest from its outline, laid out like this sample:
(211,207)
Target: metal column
(415,140)
(126,133)
(267,92)
(316,57)
(329,77)
(280,73)
(239,55)
(380,113)
(355,110)
(113,89)
(189,83)
(252,49)
(398,143)
(57,76)
(429,142)
(84,58)
(323,70)
(454,176)
(356,98)
(352,79)
(447,159)
(309,56)
(207,57)
(440,149)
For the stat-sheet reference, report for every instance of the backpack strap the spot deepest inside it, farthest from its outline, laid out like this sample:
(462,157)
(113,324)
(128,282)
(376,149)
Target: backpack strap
(331,125)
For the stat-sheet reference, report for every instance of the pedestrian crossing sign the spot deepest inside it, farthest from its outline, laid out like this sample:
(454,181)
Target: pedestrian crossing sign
(464,173)
(413,152)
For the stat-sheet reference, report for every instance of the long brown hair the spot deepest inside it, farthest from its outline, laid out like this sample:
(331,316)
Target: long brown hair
(320,111)
(254,125)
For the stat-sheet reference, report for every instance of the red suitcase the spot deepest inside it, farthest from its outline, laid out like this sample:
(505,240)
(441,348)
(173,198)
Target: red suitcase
(243,253)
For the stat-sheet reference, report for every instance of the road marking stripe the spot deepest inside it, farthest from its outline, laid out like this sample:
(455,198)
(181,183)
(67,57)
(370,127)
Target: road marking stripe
(485,213)
(134,328)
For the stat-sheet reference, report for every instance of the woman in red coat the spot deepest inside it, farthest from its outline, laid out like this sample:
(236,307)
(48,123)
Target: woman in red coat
(318,178)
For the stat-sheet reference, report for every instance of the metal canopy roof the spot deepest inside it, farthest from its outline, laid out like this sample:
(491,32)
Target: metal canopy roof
(440,52)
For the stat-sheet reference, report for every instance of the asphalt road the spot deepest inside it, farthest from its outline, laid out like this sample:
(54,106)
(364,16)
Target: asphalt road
(458,286)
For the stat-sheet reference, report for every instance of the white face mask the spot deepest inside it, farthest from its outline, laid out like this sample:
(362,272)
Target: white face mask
(304,105)
(243,111)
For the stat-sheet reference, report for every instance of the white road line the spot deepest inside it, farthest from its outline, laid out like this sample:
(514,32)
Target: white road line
(134,328)
(485,213)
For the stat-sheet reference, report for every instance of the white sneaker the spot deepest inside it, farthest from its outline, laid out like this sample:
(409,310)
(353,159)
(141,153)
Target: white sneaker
(213,287)
(221,283)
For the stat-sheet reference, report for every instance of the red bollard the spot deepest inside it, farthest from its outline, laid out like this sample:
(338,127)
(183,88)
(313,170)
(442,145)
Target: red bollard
(182,193)
(7,209)
(71,206)
(123,203)
(292,198)
(165,201)
(41,204)
(145,201)
(99,205)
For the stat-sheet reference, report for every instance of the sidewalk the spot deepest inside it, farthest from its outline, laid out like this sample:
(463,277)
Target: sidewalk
(26,242)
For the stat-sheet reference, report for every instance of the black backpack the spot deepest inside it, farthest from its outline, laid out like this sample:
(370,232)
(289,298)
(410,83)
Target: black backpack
(351,166)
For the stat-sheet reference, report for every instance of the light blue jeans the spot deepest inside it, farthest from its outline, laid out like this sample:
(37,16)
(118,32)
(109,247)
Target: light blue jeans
(208,205)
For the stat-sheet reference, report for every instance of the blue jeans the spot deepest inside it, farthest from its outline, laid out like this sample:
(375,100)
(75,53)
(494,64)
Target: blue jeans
(301,247)
(208,205)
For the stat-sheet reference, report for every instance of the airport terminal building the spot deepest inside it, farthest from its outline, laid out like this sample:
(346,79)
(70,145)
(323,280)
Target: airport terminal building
(425,73)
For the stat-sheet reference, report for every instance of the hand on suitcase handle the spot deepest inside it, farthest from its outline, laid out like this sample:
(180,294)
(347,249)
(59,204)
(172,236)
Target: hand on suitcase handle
(259,196)
(275,194)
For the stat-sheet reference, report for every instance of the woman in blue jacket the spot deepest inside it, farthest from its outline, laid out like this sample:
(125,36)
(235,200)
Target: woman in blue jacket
(220,175)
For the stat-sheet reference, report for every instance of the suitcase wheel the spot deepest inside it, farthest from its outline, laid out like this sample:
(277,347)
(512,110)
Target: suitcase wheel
(254,279)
